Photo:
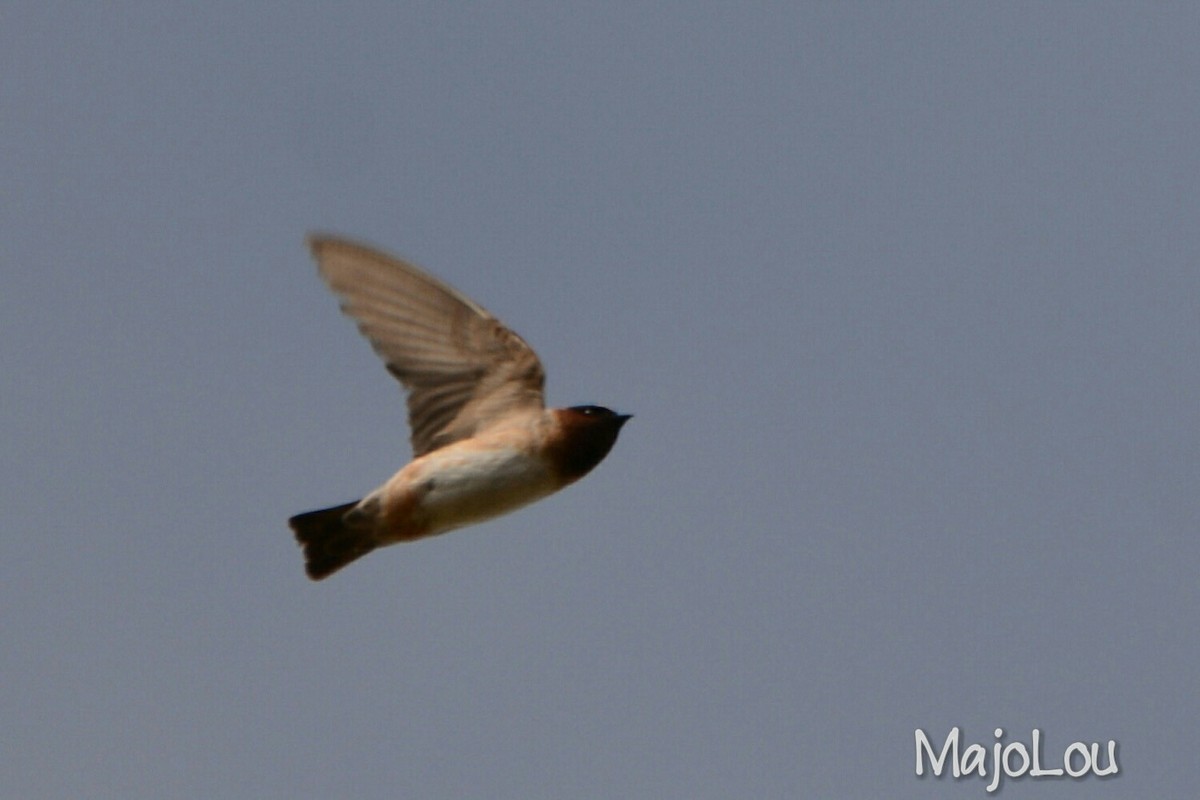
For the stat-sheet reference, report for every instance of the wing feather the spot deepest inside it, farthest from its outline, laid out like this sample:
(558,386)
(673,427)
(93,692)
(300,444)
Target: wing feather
(461,367)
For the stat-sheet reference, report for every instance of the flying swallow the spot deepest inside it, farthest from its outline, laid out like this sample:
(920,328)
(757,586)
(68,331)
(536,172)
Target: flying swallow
(483,441)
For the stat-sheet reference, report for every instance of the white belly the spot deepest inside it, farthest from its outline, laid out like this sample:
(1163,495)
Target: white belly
(461,486)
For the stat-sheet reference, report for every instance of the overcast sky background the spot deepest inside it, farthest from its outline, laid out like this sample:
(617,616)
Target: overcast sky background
(904,298)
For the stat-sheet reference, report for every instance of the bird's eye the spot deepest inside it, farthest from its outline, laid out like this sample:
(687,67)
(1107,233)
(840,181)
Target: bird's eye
(592,411)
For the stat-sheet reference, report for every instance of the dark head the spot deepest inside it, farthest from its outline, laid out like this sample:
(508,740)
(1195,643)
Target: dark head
(588,433)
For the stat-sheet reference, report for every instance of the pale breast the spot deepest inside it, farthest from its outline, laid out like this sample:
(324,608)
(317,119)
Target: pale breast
(460,485)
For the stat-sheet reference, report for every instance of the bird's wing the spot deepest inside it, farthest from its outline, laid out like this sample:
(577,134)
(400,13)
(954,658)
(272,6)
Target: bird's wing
(462,368)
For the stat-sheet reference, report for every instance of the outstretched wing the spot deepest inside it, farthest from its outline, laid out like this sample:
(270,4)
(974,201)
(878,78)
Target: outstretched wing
(461,366)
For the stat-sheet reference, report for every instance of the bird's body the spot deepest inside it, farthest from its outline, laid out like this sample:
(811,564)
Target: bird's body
(483,441)
(467,482)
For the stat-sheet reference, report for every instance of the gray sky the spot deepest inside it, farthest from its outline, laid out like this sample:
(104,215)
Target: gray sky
(904,298)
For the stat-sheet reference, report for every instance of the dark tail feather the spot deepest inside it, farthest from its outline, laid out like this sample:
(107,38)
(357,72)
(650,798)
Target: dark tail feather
(329,541)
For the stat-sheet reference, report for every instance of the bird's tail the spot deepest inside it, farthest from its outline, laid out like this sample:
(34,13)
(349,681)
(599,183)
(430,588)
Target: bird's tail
(331,539)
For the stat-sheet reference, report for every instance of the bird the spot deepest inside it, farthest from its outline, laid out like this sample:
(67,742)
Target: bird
(483,441)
